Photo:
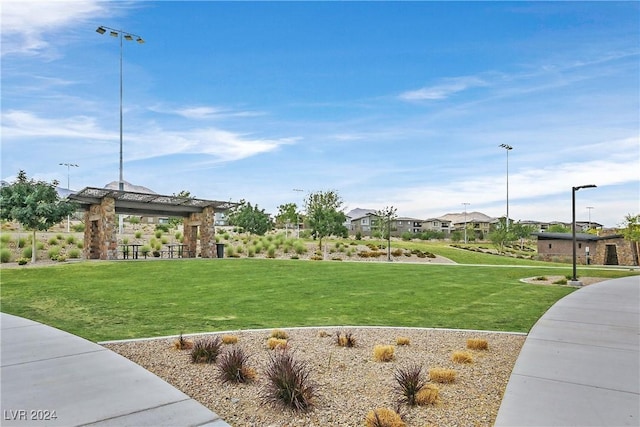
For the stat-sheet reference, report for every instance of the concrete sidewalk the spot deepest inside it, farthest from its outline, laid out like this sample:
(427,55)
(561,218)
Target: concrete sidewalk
(579,365)
(52,378)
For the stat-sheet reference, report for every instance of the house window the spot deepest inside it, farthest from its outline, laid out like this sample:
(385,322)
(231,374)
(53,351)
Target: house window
(549,245)
(399,222)
(579,245)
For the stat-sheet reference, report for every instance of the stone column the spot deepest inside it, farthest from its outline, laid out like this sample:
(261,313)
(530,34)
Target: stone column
(208,233)
(190,234)
(108,237)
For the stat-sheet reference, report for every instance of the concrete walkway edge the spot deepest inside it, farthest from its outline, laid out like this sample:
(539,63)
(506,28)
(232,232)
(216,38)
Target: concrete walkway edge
(579,365)
(52,378)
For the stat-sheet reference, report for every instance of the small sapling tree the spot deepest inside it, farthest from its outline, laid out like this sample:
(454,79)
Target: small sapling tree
(34,204)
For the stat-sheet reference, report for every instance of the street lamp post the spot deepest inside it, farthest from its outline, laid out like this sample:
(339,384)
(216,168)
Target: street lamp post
(69,166)
(129,37)
(574,280)
(507,148)
(465,221)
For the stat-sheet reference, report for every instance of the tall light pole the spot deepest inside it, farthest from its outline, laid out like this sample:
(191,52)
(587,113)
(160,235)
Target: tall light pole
(129,37)
(69,166)
(574,279)
(298,190)
(465,221)
(507,148)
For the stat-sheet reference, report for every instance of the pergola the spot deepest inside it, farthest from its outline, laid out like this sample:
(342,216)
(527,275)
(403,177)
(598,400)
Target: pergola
(102,205)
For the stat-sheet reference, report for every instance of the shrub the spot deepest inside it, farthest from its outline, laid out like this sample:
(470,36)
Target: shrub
(80,244)
(477,344)
(271,252)
(229,339)
(61,258)
(71,240)
(409,382)
(358,235)
(22,261)
(164,240)
(300,248)
(27,252)
(231,252)
(59,237)
(288,382)
(182,343)
(206,350)
(5,255)
(442,375)
(162,227)
(562,281)
(383,417)
(345,339)
(178,235)
(274,343)
(158,234)
(251,252)
(383,353)
(52,241)
(21,242)
(144,250)
(428,395)
(53,252)
(39,246)
(397,252)
(78,228)
(5,238)
(74,253)
(462,357)
(138,234)
(232,367)
(134,220)
(280,334)
(403,341)
(125,241)
(323,334)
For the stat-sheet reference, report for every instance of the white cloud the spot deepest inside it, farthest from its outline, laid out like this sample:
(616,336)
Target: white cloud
(205,112)
(25,22)
(448,87)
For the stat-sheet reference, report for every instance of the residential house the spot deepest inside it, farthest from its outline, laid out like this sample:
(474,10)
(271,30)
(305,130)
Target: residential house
(479,222)
(437,224)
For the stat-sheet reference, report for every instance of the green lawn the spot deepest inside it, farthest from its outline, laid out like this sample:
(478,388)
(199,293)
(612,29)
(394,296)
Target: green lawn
(117,300)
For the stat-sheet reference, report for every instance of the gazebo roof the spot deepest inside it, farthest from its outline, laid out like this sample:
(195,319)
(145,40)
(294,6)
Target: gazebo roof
(129,202)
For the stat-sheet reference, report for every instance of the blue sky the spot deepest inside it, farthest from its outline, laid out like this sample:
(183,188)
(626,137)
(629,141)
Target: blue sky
(388,103)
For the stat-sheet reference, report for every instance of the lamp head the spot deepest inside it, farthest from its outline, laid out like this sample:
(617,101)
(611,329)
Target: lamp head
(584,186)
(506,146)
(101,30)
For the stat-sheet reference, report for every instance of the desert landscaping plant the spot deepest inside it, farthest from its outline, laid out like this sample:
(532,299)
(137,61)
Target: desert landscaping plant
(229,339)
(289,382)
(383,353)
(409,381)
(232,367)
(345,339)
(274,343)
(442,375)
(5,255)
(181,343)
(428,395)
(206,350)
(403,341)
(280,334)
(462,357)
(477,344)
(383,417)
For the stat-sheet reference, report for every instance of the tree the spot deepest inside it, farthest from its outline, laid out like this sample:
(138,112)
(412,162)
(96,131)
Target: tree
(522,232)
(250,218)
(631,232)
(34,204)
(385,216)
(287,214)
(325,216)
(175,221)
(559,228)
(501,236)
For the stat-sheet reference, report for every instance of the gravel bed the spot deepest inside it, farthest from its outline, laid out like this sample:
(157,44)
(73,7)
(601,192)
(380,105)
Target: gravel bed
(349,381)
